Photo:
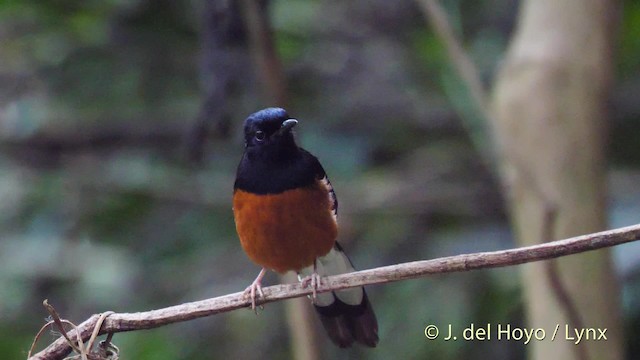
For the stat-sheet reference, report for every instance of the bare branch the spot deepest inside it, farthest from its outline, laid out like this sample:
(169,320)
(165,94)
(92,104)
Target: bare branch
(467,70)
(119,322)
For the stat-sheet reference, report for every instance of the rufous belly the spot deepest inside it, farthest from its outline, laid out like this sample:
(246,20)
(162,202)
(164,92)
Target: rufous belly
(285,231)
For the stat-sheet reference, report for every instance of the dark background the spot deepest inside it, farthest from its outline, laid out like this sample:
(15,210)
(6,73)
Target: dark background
(120,132)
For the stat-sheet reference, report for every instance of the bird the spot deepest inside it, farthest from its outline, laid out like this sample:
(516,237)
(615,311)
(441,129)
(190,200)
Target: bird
(285,212)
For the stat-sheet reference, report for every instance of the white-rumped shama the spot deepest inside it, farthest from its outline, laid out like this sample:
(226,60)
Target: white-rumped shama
(285,211)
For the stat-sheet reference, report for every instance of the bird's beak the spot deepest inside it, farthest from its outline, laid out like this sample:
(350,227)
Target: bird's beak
(287,125)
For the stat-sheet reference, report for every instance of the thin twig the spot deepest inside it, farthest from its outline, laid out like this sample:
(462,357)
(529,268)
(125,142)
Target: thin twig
(96,329)
(37,337)
(119,322)
(56,320)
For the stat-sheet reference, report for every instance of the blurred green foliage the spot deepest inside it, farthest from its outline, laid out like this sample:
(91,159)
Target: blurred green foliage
(101,211)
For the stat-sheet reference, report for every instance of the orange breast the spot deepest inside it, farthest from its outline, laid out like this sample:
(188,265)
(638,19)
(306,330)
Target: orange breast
(285,231)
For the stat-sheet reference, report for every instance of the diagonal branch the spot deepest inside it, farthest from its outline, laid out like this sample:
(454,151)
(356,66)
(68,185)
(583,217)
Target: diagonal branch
(461,61)
(119,322)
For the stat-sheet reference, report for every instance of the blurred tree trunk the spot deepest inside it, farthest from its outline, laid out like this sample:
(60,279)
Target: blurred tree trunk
(550,109)
(223,63)
(237,34)
(268,70)
(268,67)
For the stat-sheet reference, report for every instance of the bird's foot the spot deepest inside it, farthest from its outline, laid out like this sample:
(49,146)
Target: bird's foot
(314,280)
(255,290)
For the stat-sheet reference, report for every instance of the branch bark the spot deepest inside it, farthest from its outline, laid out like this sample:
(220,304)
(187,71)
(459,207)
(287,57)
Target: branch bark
(120,322)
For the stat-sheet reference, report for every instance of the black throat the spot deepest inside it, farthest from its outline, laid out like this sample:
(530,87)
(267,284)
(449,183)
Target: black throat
(274,169)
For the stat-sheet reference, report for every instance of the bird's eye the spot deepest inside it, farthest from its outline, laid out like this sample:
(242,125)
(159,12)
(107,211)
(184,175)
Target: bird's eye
(260,136)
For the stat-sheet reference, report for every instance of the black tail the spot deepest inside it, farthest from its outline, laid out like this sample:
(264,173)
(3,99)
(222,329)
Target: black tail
(348,323)
(346,314)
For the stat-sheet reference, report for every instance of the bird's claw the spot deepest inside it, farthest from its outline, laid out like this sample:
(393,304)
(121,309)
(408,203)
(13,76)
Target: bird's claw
(314,280)
(255,291)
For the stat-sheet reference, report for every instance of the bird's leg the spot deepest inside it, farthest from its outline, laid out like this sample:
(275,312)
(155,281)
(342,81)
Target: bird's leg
(313,280)
(255,287)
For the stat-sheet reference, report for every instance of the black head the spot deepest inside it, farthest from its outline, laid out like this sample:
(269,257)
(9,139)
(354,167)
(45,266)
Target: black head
(272,162)
(269,128)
